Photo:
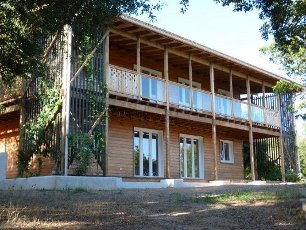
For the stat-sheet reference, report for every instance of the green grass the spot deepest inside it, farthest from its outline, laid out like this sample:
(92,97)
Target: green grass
(247,196)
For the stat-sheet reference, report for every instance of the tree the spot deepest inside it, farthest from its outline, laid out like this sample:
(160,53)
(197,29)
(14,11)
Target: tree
(24,23)
(285,20)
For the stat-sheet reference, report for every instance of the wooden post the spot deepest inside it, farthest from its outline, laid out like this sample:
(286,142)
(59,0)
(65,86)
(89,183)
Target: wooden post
(190,81)
(281,143)
(138,66)
(167,124)
(250,129)
(263,95)
(263,89)
(214,128)
(106,77)
(66,101)
(231,92)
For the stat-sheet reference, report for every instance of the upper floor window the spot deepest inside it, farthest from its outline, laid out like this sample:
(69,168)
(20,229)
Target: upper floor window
(226,151)
(148,71)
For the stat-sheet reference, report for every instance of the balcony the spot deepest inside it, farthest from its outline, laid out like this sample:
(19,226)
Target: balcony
(128,83)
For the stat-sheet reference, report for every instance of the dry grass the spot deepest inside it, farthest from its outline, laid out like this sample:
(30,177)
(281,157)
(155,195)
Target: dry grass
(154,208)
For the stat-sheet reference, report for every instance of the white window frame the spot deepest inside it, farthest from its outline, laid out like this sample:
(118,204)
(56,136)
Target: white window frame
(231,152)
(151,72)
(201,157)
(160,153)
(185,81)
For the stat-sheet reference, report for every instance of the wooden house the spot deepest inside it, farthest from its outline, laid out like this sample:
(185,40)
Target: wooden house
(177,109)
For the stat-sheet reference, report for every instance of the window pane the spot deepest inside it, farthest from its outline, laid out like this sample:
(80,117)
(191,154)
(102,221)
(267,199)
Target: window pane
(182,156)
(226,151)
(153,89)
(136,153)
(145,150)
(221,151)
(145,86)
(196,158)
(189,157)
(154,153)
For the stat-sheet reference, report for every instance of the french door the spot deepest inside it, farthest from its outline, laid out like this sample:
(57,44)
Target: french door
(147,152)
(191,157)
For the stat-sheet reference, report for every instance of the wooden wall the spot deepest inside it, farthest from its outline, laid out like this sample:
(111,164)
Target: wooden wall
(9,143)
(120,158)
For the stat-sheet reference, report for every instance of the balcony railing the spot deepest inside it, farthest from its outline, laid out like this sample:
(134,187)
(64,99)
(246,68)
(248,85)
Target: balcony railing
(129,83)
(201,100)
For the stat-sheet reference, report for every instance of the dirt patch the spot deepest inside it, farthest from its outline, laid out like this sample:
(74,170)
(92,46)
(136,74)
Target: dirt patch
(276,207)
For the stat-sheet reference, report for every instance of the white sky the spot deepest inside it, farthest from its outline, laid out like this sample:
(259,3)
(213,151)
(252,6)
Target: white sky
(233,33)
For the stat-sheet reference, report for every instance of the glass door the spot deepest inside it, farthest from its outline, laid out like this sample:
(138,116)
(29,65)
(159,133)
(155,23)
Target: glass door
(191,157)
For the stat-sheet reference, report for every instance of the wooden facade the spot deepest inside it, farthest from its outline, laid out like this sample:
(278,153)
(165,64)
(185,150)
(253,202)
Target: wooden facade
(175,91)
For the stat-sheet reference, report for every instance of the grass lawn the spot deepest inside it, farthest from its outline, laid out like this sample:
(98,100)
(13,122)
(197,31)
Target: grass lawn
(223,207)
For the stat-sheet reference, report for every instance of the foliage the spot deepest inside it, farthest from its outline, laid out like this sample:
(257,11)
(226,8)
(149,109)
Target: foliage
(294,177)
(293,62)
(36,132)
(286,87)
(302,155)
(25,23)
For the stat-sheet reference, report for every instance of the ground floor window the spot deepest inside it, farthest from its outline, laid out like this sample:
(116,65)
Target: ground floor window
(147,152)
(191,156)
(226,151)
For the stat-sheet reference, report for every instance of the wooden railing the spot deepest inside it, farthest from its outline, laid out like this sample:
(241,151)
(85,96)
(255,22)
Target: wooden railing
(128,82)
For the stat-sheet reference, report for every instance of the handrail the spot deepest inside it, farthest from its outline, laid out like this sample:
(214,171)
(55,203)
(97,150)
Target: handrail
(179,84)
(260,114)
(156,78)
(201,90)
(220,95)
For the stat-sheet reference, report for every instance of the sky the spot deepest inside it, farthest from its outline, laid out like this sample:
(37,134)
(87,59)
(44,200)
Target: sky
(233,33)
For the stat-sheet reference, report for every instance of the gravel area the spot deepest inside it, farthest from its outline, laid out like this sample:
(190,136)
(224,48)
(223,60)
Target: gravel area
(151,209)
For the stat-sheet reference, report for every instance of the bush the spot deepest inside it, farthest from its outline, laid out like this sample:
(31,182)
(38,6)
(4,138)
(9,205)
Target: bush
(294,177)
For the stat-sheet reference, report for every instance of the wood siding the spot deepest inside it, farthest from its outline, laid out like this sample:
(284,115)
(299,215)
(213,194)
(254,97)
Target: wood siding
(9,143)
(120,157)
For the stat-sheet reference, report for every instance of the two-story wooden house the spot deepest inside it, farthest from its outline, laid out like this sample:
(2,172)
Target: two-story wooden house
(177,109)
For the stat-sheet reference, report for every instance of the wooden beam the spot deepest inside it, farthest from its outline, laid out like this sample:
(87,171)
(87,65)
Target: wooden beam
(190,117)
(263,95)
(214,127)
(107,80)
(167,123)
(190,80)
(231,92)
(250,130)
(281,144)
(139,107)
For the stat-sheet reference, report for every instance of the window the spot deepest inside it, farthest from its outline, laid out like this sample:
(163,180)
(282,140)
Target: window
(226,151)
(184,81)
(148,71)
(148,152)
(191,157)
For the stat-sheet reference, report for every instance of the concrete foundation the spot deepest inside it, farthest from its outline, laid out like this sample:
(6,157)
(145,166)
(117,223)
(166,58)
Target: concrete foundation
(3,165)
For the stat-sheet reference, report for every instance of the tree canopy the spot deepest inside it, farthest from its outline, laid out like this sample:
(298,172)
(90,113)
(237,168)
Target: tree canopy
(285,20)
(24,23)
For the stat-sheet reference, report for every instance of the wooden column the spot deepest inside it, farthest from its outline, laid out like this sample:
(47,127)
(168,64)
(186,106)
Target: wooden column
(281,143)
(250,129)
(66,98)
(167,123)
(190,81)
(231,92)
(263,95)
(106,77)
(214,128)
(138,65)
